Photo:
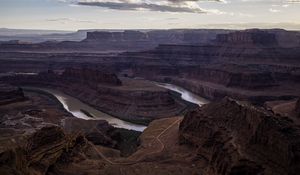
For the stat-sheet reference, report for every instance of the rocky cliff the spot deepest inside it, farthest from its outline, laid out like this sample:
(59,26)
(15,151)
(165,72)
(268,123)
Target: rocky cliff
(255,69)
(91,76)
(127,35)
(134,100)
(39,152)
(241,139)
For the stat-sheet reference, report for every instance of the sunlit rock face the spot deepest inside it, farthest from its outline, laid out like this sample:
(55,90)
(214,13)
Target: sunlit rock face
(235,138)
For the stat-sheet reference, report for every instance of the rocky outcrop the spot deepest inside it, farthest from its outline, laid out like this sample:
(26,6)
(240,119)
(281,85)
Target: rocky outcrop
(98,132)
(39,152)
(10,94)
(253,36)
(241,139)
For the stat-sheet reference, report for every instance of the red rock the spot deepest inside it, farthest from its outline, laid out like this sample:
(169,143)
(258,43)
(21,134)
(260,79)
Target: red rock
(235,138)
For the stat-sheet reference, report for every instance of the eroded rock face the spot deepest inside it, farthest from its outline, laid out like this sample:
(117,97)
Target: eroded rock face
(91,76)
(234,138)
(39,152)
(98,132)
(252,36)
(134,100)
(10,94)
(128,35)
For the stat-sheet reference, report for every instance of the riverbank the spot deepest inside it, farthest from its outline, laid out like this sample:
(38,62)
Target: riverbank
(182,95)
(76,106)
(49,95)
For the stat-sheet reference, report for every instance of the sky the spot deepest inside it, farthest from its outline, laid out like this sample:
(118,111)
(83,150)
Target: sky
(148,14)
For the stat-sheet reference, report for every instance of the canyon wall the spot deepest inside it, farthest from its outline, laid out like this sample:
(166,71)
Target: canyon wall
(85,75)
(241,139)
(261,68)
(253,36)
(134,100)
(127,35)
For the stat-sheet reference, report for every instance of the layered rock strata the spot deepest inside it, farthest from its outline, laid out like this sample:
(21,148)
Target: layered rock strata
(134,100)
(241,139)
(259,69)
(39,153)
(252,36)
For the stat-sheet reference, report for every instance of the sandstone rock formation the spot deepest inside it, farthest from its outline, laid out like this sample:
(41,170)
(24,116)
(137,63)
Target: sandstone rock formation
(38,133)
(133,100)
(127,35)
(39,152)
(51,151)
(95,131)
(258,70)
(91,76)
(235,138)
(103,41)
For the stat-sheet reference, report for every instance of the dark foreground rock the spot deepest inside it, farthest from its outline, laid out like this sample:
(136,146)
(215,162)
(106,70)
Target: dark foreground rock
(40,151)
(10,94)
(235,138)
(297,108)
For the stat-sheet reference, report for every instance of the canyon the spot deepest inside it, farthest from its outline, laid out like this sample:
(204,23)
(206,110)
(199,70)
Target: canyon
(132,100)
(205,141)
(239,69)
(242,116)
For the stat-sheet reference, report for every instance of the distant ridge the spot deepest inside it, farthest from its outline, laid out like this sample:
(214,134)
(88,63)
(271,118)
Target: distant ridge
(14,32)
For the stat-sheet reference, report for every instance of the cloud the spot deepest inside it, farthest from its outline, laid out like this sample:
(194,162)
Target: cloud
(67,20)
(142,6)
(186,6)
(293,1)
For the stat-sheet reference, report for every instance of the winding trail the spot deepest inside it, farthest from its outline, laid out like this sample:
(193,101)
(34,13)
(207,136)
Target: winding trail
(151,144)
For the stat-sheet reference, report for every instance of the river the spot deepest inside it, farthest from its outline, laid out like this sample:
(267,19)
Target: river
(185,94)
(76,107)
